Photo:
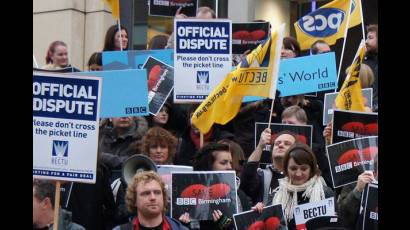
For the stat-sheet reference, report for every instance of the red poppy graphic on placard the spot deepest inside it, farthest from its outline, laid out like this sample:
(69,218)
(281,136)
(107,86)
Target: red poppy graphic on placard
(154,75)
(360,128)
(354,126)
(201,191)
(371,129)
(272,222)
(258,35)
(242,35)
(258,225)
(353,155)
(249,36)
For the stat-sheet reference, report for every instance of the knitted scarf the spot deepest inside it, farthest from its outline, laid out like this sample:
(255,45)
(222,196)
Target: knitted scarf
(287,193)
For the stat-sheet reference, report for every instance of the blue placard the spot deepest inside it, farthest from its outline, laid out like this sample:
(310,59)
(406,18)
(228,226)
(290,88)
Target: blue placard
(67,98)
(307,74)
(124,92)
(135,59)
(196,37)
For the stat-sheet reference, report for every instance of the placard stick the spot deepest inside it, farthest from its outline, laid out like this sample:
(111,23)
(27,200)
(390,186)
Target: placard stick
(343,48)
(35,61)
(270,111)
(56,205)
(201,140)
(119,29)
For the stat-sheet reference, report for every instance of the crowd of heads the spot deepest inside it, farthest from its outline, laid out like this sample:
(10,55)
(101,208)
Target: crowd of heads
(146,195)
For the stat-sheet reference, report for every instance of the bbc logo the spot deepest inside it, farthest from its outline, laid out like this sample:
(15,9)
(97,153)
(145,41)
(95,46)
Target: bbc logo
(186,201)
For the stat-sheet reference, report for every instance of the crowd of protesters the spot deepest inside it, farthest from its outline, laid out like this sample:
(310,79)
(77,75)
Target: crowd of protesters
(294,174)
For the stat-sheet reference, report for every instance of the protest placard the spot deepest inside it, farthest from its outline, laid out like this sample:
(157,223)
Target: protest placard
(272,217)
(135,59)
(124,92)
(305,212)
(168,8)
(201,192)
(348,125)
(371,207)
(160,83)
(202,56)
(248,35)
(348,159)
(165,172)
(307,74)
(303,132)
(329,103)
(69,69)
(65,126)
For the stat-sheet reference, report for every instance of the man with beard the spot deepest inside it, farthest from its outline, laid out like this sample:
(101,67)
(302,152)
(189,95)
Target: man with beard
(259,183)
(371,59)
(147,200)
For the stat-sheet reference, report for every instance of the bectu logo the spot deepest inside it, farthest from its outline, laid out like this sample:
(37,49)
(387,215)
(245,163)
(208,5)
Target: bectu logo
(322,23)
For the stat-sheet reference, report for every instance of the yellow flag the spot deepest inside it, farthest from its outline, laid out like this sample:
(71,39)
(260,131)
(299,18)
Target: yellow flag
(254,76)
(115,7)
(350,96)
(327,23)
(356,13)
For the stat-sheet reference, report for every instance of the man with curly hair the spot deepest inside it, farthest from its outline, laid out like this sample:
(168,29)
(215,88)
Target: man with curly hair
(146,197)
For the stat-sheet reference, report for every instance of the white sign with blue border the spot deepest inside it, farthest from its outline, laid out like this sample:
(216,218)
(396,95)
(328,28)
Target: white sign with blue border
(65,126)
(202,57)
(307,74)
(125,92)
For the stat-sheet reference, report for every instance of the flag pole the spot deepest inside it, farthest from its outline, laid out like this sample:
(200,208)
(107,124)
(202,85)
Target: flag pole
(35,61)
(201,139)
(361,15)
(56,205)
(119,29)
(344,43)
(271,112)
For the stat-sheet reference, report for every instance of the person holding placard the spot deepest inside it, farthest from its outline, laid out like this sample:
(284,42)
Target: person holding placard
(259,183)
(351,194)
(202,12)
(43,208)
(217,157)
(302,183)
(238,156)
